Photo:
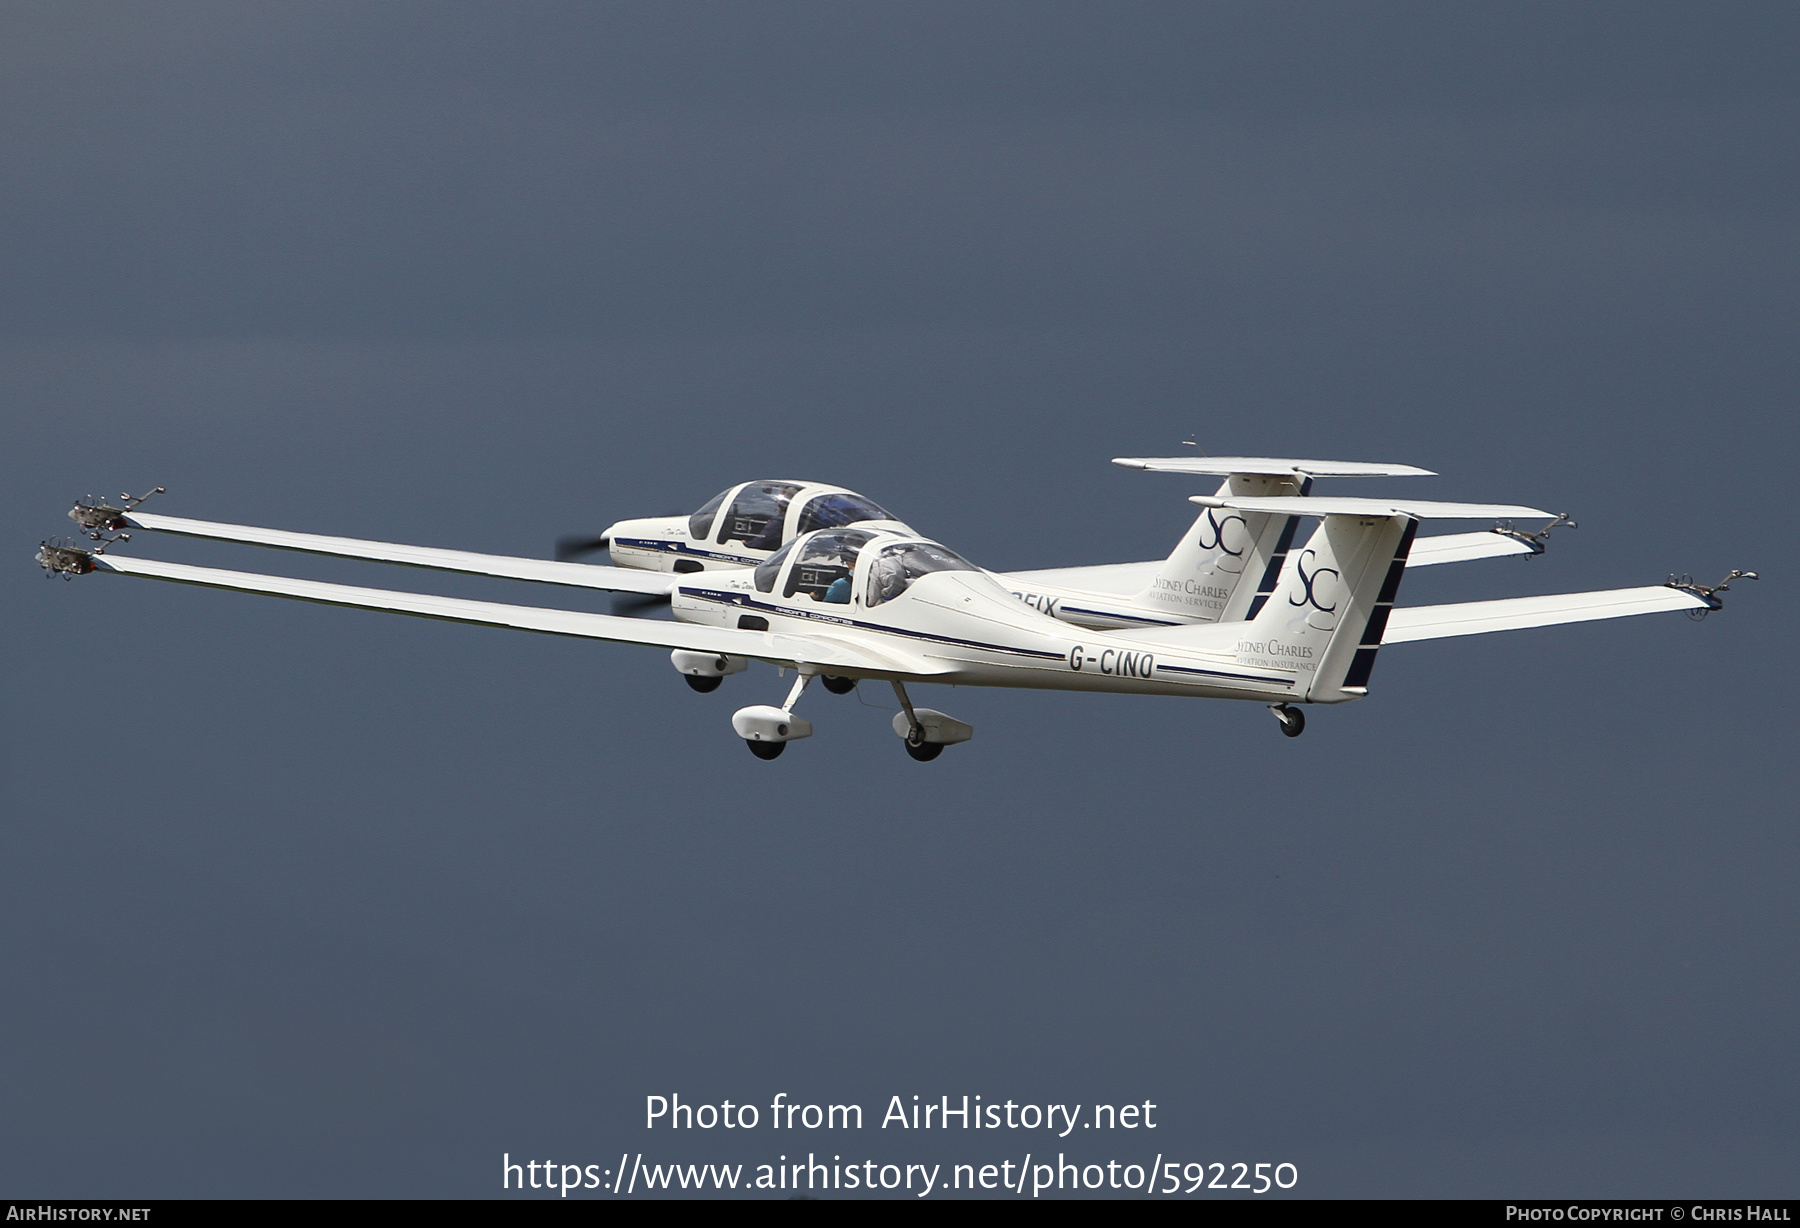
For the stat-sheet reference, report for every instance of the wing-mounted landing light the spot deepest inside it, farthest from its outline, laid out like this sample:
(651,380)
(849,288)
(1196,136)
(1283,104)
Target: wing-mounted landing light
(99,519)
(1537,541)
(1709,593)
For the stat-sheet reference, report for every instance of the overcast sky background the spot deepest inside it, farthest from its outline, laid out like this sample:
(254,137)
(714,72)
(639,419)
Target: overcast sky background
(305,901)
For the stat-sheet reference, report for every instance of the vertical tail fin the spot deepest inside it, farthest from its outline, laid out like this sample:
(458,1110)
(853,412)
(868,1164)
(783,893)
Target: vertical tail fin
(1326,616)
(1227,563)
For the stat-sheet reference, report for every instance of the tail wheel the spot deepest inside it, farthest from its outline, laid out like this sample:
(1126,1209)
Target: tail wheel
(1293,722)
(704,683)
(924,752)
(766,750)
(836,685)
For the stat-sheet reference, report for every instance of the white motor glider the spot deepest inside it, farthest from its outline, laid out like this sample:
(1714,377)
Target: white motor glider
(1222,570)
(870,599)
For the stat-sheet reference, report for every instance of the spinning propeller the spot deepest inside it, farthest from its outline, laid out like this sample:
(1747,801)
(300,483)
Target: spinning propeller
(633,605)
(568,549)
(625,605)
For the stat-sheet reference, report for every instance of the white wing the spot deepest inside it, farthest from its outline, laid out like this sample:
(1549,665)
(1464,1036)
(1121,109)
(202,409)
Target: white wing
(1223,466)
(1308,505)
(1431,622)
(1461,547)
(577,575)
(856,658)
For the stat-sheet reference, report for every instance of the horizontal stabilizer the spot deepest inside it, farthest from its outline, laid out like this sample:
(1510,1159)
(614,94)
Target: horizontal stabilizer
(1129,579)
(1462,547)
(1420,509)
(576,575)
(1432,622)
(1224,466)
(818,650)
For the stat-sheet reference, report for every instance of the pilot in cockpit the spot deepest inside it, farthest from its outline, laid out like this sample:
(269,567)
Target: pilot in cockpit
(830,554)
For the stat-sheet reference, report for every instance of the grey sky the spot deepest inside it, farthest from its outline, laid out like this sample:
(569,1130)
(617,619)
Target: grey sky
(307,901)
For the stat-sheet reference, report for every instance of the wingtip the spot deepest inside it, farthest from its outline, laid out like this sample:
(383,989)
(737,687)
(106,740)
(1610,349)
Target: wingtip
(1708,593)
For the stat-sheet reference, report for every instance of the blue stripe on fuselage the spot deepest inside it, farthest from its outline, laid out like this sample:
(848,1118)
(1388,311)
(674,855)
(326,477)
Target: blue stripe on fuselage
(746,601)
(1219,673)
(657,545)
(750,603)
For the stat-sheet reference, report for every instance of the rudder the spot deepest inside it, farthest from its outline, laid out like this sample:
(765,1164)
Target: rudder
(1228,561)
(1326,617)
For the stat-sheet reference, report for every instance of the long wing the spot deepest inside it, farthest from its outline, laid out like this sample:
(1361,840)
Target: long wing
(854,658)
(1309,505)
(1431,622)
(1223,466)
(577,575)
(1462,547)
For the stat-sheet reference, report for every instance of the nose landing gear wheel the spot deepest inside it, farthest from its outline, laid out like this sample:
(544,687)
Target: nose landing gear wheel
(766,750)
(703,683)
(836,685)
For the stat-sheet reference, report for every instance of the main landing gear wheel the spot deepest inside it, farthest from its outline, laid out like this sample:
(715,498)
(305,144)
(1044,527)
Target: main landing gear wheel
(924,752)
(836,685)
(766,750)
(704,683)
(1293,720)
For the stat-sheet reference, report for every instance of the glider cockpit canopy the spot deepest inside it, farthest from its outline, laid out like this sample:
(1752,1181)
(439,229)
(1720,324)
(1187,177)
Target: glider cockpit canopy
(741,525)
(824,565)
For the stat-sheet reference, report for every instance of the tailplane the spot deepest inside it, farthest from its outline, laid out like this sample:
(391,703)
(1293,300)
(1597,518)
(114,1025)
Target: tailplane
(1226,567)
(1326,616)
(1228,558)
